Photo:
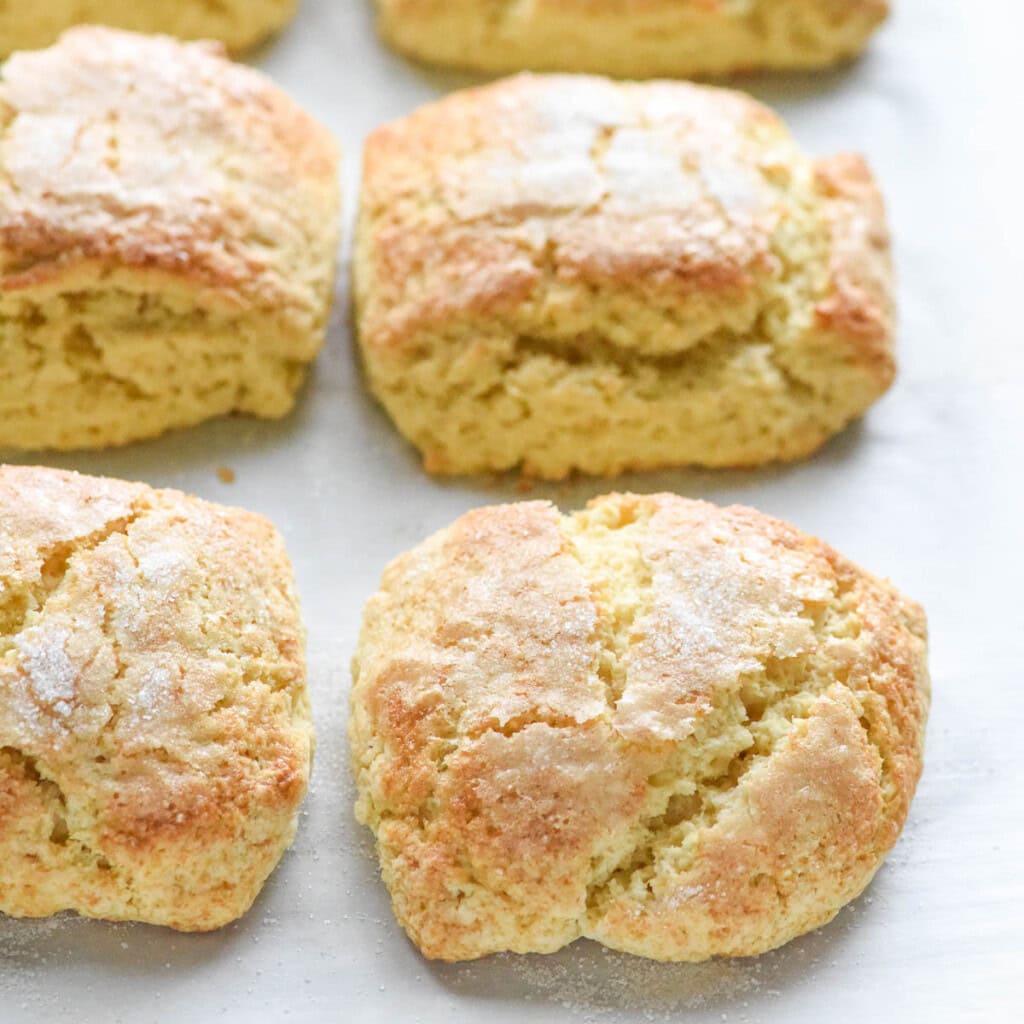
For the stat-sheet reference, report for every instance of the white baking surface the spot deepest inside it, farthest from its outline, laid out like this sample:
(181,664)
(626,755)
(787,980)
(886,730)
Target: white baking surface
(927,491)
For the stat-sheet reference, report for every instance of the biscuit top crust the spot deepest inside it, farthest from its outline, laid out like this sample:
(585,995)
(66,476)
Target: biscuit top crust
(515,201)
(680,729)
(126,150)
(151,667)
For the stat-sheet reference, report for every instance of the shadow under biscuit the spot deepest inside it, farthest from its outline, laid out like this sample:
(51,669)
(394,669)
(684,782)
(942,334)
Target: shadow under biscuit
(782,89)
(166,460)
(592,983)
(717,485)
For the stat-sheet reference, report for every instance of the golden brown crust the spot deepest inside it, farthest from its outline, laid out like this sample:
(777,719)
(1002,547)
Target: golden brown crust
(859,306)
(494,197)
(123,151)
(631,38)
(682,730)
(561,272)
(155,737)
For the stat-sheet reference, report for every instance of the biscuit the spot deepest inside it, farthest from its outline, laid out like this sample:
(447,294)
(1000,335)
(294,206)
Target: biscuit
(562,273)
(631,38)
(239,24)
(684,731)
(168,231)
(155,730)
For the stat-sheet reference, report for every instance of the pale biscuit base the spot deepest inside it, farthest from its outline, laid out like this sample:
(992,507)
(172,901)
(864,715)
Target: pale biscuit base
(681,730)
(239,24)
(559,273)
(168,231)
(155,729)
(631,38)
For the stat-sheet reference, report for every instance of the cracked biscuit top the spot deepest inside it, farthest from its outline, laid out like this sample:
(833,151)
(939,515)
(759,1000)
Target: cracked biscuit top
(155,733)
(562,273)
(695,201)
(681,730)
(129,152)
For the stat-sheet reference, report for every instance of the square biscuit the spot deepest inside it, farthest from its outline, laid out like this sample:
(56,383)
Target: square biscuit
(169,224)
(155,728)
(239,24)
(631,38)
(558,274)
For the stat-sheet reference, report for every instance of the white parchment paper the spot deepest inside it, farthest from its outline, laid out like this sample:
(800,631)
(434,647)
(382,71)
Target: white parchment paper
(927,491)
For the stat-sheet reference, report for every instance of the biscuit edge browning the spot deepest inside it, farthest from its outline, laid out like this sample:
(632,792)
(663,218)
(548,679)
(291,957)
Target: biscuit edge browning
(515,310)
(155,729)
(170,255)
(681,730)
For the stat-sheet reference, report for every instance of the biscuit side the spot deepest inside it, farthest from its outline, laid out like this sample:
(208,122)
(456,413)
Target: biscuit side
(239,24)
(660,38)
(114,358)
(155,731)
(680,730)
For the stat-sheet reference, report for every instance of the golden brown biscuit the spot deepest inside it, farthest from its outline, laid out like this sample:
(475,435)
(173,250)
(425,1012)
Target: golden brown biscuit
(155,731)
(631,38)
(562,273)
(684,731)
(168,230)
(239,24)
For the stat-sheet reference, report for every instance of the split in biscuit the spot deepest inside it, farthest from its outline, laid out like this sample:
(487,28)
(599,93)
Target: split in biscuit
(681,730)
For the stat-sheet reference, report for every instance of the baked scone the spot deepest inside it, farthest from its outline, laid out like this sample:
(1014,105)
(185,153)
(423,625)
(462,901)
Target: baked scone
(155,730)
(631,38)
(168,232)
(239,24)
(684,731)
(563,273)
